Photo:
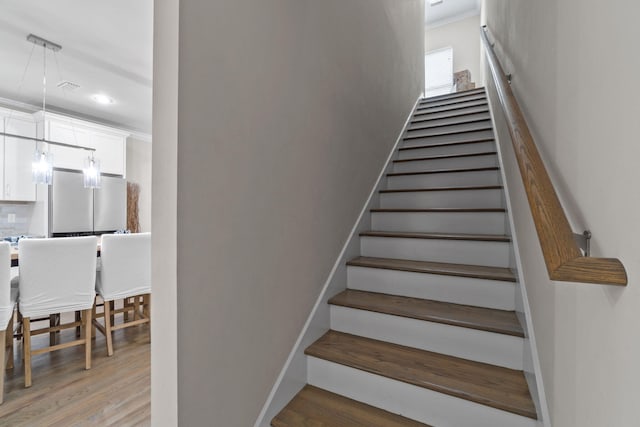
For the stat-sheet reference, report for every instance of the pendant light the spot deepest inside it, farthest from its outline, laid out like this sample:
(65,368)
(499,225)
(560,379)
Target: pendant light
(42,164)
(42,167)
(91,172)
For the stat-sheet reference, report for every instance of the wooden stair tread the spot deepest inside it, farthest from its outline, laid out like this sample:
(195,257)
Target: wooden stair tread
(466,316)
(411,190)
(463,122)
(490,385)
(488,168)
(454,107)
(450,116)
(459,94)
(438,236)
(444,144)
(452,101)
(316,407)
(435,210)
(441,268)
(451,132)
(447,156)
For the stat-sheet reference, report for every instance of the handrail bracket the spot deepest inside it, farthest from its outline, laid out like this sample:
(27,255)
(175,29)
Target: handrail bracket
(584,241)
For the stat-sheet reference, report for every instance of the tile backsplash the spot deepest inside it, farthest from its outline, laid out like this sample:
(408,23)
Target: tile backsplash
(23,213)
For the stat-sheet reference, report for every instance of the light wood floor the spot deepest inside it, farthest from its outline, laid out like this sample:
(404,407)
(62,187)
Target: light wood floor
(115,392)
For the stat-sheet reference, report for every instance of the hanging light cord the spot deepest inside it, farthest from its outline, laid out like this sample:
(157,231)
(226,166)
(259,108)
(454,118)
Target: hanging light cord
(64,95)
(44,82)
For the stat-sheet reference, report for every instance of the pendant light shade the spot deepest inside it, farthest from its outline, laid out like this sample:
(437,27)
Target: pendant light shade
(42,167)
(91,173)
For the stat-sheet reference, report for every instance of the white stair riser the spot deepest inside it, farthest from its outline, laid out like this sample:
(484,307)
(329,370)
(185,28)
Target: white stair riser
(492,254)
(420,121)
(443,222)
(471,136)
(428,130)
(445,114)
(476,147)
(450,179)
(452,107)
(490,160)
(459,290)
(452,101)
(443,199)
(411,401)
(471,344)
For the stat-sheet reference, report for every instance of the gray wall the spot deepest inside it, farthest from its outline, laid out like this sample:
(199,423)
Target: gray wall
(569,60)
(287,110)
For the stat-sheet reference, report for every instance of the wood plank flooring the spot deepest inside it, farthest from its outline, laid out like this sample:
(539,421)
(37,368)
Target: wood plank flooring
(116,391)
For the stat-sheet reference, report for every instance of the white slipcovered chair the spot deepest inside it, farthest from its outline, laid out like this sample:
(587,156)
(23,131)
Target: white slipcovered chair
(125,273)
(8,296)
(56,276)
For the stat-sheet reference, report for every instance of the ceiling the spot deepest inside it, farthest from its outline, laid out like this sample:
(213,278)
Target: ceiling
(450,11)
(107,47)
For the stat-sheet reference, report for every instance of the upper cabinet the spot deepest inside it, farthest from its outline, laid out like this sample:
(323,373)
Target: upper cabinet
(18,156)
(109,144)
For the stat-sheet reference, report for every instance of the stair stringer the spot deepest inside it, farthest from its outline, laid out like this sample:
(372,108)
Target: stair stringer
(293,376)
(531,362)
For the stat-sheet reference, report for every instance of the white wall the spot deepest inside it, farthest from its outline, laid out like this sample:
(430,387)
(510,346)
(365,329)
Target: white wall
(464,37)
(287,110)
(569,61)
(139,172)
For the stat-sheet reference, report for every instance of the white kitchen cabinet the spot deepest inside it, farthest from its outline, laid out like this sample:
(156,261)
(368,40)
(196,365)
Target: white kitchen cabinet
(110,150)
(109,144)
(68,157)
(17,183)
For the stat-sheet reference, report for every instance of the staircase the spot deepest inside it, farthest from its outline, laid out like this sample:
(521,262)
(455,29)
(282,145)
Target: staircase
(426,332)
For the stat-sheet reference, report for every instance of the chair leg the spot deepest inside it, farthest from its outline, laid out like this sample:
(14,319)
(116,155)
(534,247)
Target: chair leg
(78,319)
(26,336)
(146,305)
(86,323)
(107,327)
(9,344)
(136,307)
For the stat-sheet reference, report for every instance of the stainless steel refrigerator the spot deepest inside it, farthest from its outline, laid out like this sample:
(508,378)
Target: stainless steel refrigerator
(75,210)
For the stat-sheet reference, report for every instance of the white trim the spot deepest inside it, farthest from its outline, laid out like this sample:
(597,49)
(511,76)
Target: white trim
(453,19)
(540,396)
(78,122)
(24,108)
(145,137)
(261,421)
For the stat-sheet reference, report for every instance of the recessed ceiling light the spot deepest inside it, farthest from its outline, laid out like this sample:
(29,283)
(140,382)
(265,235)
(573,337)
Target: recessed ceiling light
(103,99)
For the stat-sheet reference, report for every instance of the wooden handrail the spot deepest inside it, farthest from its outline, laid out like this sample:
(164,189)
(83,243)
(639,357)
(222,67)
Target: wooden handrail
(562,255)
